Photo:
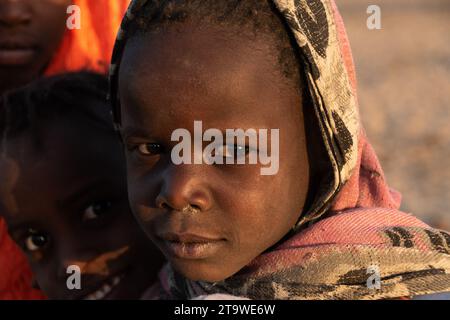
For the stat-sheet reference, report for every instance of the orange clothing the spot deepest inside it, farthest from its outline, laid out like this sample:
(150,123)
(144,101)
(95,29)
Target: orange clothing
(88,48)
(91,46)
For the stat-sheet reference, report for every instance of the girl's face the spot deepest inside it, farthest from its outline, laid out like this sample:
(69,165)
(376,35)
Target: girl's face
(30,32)
(67,205)
(209,220)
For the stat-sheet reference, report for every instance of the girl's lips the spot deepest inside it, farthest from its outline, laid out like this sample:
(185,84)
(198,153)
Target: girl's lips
(16,56)
(190,246)
(193,250)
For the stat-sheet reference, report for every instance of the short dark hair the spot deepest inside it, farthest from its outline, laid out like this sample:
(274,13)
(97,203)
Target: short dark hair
(31,108)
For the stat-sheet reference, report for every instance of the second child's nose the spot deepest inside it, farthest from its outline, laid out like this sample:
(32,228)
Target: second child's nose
(14,13)
(184,187)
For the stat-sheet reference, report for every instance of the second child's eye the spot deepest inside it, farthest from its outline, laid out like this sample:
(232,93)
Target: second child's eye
(95,210)
(35,241)
(149,149)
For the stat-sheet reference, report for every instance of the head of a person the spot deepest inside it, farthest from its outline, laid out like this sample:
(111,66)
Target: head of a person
(230,65)
(30,33)
(63,191)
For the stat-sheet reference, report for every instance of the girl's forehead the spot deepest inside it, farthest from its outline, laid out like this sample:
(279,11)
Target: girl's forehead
(228,79)
(193,51)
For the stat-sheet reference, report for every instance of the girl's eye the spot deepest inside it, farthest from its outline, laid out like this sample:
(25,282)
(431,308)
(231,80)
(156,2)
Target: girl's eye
(96,210)
(35,241)
(149,149)
(230,151)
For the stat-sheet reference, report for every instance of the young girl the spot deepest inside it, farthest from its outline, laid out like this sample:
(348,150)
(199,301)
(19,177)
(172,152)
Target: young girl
(326,225)
(63,191)
(35,41)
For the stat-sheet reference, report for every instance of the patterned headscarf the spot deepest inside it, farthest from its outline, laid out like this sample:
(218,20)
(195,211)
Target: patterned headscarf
(364,231)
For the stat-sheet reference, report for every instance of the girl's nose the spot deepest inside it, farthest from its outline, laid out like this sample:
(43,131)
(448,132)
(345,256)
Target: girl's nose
(184,189)
(14,13)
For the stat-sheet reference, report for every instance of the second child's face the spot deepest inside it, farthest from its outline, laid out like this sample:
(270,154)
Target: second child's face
(68,205)
(209,220)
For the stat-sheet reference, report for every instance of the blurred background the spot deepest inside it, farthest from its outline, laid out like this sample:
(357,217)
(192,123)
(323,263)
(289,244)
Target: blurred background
(404,95)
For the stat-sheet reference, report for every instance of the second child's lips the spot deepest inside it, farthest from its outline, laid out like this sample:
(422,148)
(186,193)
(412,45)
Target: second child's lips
(104,288)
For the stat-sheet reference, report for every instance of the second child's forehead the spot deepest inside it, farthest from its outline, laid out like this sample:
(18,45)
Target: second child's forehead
(66,143)
(202,73)
(70,156)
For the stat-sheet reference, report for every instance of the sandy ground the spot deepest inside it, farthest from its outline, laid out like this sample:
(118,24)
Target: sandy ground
(404,94)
